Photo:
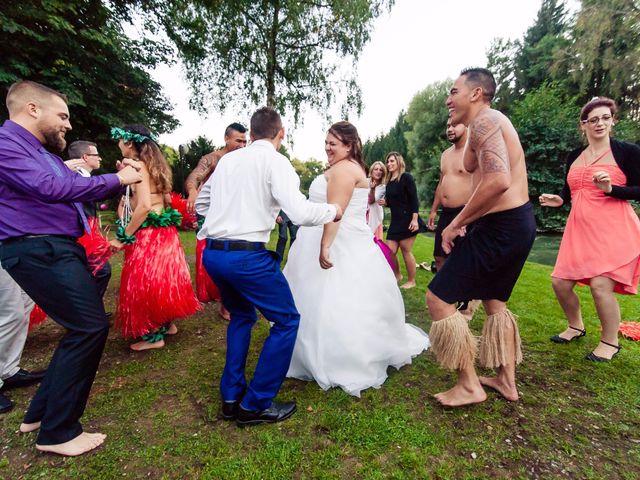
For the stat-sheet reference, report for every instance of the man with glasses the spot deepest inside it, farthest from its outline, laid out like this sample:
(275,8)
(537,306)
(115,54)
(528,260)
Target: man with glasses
(84,159)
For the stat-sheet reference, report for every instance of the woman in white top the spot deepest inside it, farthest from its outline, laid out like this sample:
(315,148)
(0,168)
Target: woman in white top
(347,337)
(375,213)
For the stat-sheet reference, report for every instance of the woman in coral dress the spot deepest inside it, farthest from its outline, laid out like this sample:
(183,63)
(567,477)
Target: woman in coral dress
(601,242)
(155,287)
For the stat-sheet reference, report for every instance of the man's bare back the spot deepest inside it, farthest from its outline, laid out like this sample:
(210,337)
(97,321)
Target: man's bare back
(494,148)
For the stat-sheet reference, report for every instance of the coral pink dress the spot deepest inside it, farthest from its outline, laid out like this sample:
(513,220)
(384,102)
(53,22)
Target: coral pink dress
(602,235)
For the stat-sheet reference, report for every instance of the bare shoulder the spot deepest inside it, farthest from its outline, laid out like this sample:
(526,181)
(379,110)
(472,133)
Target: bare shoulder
(486,124)
(346,171)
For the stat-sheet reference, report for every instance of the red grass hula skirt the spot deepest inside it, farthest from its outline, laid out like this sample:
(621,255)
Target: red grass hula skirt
(155,287)
(189,220)
(96,245)
(205,288)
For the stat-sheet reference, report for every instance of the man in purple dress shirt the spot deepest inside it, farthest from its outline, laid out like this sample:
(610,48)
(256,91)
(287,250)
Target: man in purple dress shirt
(40,218)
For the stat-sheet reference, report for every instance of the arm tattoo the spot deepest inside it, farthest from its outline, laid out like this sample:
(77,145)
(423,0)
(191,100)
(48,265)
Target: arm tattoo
(200,173)
(488,143)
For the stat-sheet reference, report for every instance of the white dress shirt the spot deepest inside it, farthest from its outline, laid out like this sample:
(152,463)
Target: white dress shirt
(249,186)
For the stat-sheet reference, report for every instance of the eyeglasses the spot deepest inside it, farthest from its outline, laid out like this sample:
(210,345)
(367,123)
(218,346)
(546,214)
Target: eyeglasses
(92,154)
(594,120)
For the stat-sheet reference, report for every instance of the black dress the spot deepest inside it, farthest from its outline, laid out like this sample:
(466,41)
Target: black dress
(401,196)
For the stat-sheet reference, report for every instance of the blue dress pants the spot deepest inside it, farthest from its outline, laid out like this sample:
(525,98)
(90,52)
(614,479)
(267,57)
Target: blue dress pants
(248,280)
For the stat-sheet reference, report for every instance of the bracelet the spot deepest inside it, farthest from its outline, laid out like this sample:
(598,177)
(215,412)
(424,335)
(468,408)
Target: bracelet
(123,237)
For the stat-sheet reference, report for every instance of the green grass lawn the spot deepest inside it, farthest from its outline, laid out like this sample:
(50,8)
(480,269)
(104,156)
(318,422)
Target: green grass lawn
(160,409)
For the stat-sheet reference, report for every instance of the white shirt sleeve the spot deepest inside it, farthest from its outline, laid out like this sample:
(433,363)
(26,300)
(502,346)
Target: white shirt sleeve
(285,188)
(204,198)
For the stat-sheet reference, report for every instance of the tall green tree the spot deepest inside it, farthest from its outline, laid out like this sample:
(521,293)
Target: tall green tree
(427,117)
(79,48)
(392,141)
(286,55)
(604,54)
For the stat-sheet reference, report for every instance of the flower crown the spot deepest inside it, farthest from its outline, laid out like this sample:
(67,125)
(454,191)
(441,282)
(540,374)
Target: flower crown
(129,136)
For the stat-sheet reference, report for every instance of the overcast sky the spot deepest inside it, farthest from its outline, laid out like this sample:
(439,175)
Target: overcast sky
(417,43)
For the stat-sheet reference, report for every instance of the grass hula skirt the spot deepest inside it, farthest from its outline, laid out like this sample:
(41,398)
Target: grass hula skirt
(155,286)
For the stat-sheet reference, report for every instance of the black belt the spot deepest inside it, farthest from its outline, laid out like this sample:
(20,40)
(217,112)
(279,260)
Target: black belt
(234,245)
(31,237)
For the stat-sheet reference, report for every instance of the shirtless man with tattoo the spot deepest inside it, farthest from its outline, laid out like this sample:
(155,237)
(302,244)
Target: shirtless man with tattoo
(235,137)
(487,261)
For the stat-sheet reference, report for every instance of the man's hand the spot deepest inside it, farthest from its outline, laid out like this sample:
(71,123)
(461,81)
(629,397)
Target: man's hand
(449,235)
(339,212)
(603,181)
(191,201)
(550,200)
(431,223)
(325,263)
(75,163)
(279,220)
(129,175)
(120,164)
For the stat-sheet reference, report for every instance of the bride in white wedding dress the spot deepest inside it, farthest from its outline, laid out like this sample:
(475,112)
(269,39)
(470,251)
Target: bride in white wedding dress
(352,320)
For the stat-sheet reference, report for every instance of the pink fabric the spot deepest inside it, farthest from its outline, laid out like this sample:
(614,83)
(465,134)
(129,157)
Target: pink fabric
(388,254)
(602,235)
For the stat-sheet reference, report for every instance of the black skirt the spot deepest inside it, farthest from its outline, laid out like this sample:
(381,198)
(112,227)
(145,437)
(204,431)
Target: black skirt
(486,263)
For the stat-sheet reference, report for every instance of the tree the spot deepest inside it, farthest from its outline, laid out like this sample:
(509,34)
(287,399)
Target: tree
(393,141)
(307,171)
(604,54)
(79,48)
(546,120)
(427,118)
(284,54)
(501,61)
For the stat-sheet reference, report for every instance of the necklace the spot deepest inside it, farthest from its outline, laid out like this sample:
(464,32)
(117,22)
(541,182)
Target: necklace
(600,157)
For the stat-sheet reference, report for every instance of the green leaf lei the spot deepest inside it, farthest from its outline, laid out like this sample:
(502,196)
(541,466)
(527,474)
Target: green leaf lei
(122,236)
(169,217)
(129,136)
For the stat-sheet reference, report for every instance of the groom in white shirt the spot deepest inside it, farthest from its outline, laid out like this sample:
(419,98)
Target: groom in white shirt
(241,201)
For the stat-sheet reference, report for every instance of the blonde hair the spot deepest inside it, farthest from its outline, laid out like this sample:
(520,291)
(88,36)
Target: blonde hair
(401,165)
(384,171)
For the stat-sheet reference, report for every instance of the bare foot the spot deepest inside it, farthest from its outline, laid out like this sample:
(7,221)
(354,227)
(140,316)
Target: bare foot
(141,346)
(83,443)
(29,427)
(408,285)
(460,396)
(223,312)
(509,392)
(172,330)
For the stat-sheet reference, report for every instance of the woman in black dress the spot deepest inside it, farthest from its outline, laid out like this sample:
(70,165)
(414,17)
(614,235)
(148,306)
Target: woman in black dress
(402,198)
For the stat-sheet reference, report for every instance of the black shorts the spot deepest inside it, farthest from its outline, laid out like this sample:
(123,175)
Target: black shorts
(446,217)
(487,262)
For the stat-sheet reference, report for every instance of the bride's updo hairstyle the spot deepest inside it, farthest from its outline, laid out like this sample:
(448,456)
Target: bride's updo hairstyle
(348,134)
(151,155)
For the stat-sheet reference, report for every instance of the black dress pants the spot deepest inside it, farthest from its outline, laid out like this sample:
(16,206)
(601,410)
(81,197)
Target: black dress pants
(53,271)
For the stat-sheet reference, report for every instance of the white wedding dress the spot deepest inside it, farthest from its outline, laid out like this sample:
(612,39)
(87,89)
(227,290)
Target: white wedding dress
(352,324)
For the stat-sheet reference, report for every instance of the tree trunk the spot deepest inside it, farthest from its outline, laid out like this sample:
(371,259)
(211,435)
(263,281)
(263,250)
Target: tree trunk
(272,59)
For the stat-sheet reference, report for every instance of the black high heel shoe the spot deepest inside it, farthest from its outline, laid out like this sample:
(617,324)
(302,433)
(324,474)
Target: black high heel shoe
(559,339)
(595,358)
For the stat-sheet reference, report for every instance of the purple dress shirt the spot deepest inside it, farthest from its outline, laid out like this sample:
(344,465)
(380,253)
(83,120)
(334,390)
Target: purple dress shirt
(38,191)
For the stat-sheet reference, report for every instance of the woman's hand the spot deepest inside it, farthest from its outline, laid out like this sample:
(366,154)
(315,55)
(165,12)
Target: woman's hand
(603,181)
(382,202)
(116,244)
(550,200)
(325,263)
(431,223)
(413,226)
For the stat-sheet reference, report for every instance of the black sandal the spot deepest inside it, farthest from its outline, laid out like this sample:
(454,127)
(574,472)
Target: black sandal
(559,339)
(595,358)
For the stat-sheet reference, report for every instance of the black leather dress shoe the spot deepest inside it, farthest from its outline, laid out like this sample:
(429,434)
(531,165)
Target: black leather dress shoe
(5,404)
(277,412)
(22,378)
(230,409)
